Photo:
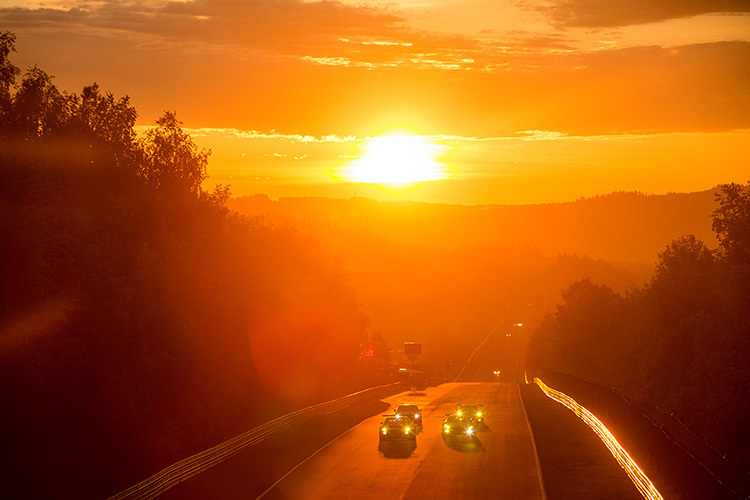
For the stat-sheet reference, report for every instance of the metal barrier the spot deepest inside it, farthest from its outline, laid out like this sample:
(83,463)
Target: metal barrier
(707,472)
(194,465)
(637,476)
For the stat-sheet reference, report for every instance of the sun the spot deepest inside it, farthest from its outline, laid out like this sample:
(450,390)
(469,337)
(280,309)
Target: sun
(397,160)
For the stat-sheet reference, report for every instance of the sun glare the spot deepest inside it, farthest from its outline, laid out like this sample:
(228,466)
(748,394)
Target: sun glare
(397,160)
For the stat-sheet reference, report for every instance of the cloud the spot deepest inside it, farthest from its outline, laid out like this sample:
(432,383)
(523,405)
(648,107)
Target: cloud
(320,33)
(611,13)
(255,134)
(644,89)
(307,69)
(281,26)
(541,135)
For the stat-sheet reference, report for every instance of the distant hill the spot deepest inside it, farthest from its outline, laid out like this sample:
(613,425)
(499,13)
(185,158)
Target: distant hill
(445,274)
(622,226)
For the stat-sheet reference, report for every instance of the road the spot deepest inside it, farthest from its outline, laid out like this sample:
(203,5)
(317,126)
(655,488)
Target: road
(502,463)
(498,358)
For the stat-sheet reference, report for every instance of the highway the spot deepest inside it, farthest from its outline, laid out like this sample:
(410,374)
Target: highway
(501,463)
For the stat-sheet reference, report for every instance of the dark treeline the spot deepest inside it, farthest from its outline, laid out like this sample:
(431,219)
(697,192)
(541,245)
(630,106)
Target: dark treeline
(681,342)
(140,320)
(444,290)
(444,274)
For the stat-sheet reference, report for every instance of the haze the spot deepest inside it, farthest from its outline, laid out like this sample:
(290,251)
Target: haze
(235,236)
(536,101)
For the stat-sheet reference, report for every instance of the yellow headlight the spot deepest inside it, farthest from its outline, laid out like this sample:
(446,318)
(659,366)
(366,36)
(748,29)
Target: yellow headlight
(458,413)
(479,414)
(407,430)
(384,430)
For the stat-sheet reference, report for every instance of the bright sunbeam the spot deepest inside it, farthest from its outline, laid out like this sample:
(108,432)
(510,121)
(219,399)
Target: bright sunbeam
(397,160)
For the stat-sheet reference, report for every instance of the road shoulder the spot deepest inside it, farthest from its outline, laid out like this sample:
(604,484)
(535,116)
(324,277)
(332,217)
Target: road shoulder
(575,463)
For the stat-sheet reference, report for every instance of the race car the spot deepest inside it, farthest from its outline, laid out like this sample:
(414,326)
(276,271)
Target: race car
(472,411)
(411,413)
(396,429)
(457,427)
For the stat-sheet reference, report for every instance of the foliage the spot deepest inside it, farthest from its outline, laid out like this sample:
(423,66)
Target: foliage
(170,160)
(683,269)
(680,342)
(589,315)
(132,301)
(8,73)
(39,109)
(731,222)
(107,124)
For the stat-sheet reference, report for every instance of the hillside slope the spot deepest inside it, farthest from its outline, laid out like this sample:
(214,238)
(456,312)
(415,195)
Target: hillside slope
(622,227)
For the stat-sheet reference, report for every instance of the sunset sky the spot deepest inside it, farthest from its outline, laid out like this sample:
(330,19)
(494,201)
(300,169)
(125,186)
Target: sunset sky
(516,101)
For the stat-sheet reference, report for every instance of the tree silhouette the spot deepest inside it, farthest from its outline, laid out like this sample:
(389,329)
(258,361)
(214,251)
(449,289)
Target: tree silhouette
(39,109)
(8,74)
(129,296)
(681,341)
(106,125)
(170,159)
(683,278)
(578,336)
(731,222)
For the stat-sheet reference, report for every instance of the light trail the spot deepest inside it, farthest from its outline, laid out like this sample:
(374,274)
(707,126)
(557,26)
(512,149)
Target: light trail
(636,475)
(193,465)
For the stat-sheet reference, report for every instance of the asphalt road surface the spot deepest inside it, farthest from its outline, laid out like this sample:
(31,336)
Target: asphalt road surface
(500,464)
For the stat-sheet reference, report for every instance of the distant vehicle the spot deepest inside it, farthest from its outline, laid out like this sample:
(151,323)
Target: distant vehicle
(412,413)
(397,429)
(472,411)
(457,427)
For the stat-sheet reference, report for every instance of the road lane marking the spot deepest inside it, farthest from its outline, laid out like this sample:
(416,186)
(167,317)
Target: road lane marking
(479,365)
(195,464)
(393,401)
(411,479)
(635,473)
(533,446)
(303,462)
(497,325)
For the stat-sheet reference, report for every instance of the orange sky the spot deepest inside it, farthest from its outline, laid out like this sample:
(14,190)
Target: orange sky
(533,101)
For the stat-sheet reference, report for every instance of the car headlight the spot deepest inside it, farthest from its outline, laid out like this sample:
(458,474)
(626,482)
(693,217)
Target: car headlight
(469,431)
(407,430)
(479,414)
(446,428)
(417,417)
(458,413)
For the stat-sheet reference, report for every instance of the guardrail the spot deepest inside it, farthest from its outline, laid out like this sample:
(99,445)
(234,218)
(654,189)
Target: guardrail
(195,464)
(636,475)
(684,470)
